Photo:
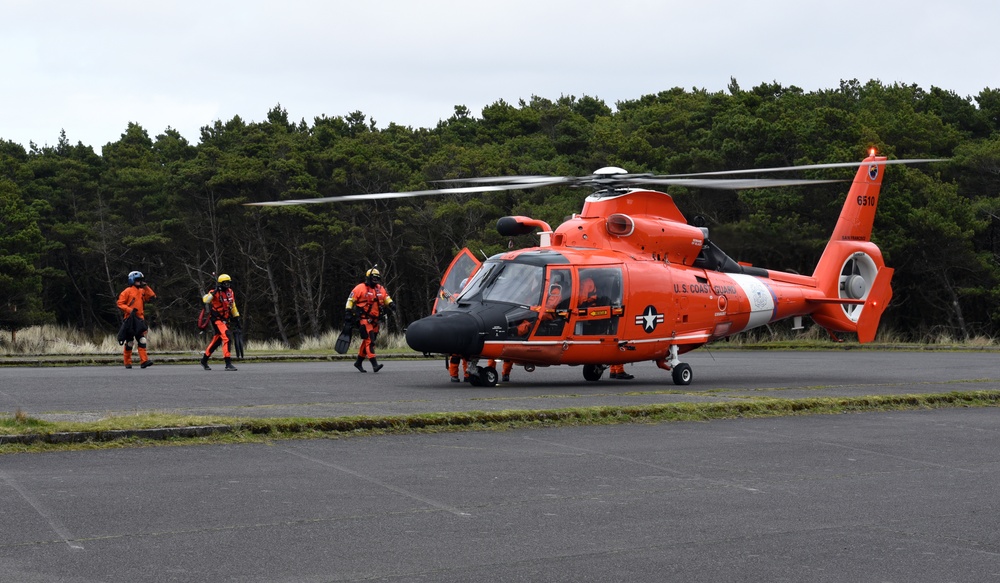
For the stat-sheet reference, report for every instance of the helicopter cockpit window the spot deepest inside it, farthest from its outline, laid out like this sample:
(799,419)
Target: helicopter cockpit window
(517,283)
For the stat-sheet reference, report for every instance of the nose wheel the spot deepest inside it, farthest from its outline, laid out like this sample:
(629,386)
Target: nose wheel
(483,376)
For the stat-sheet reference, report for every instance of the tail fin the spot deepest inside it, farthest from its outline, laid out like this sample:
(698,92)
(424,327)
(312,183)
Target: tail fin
(851,267)
(858,214)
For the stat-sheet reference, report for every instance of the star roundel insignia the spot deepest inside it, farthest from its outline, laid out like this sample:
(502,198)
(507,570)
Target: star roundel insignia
(649,319)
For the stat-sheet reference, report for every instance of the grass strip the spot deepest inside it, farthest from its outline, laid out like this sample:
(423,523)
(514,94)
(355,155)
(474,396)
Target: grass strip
(26,434)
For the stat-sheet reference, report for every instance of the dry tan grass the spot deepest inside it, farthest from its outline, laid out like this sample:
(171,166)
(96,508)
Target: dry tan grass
(63,340)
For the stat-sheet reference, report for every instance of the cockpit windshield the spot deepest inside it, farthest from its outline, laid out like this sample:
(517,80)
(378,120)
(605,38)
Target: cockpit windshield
(517,284)
(509,282)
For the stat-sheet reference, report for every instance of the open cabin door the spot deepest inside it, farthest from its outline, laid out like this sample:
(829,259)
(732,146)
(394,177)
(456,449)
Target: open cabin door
(458,272)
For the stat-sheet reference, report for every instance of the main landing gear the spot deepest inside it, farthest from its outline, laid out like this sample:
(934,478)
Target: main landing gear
(682,374)
(593,372)
(680,371)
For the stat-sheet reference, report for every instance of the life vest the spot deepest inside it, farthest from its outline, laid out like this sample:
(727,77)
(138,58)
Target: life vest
(368,299)
(223,305)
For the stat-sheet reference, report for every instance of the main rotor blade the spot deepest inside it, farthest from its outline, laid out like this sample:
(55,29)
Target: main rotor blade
(606,182)
(729,183)
(495,179)
(806,167)
(626,180)
(391,195)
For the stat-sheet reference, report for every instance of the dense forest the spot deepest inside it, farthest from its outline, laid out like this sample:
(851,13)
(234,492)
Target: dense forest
(76,222)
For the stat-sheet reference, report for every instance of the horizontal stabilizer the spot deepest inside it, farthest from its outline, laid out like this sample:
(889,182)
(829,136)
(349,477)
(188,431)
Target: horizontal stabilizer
(834,301)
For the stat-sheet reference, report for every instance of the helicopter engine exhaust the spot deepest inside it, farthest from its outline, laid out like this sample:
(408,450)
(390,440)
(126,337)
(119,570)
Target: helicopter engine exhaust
(517,225)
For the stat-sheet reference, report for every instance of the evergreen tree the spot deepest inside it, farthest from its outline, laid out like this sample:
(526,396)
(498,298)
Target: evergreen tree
(20,278)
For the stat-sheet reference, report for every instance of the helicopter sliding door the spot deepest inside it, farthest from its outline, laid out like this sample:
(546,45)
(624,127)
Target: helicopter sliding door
(598,302)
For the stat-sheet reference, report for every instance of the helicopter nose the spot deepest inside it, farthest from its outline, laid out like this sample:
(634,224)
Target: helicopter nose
(445,333)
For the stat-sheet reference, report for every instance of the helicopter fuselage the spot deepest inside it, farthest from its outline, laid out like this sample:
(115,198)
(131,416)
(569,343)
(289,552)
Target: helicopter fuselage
(637,310)
(628,280)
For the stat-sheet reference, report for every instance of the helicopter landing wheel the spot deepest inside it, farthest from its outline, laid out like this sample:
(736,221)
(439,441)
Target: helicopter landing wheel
(682,374)
(593,372)
(484,377)
(489,376)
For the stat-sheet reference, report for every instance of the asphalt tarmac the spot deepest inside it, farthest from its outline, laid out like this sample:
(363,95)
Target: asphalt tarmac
(333,389)
(898,496)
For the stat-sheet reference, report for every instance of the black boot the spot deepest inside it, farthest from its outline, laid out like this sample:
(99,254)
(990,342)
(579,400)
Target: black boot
(358,364)
(229,364)
(375,365)
(204,362)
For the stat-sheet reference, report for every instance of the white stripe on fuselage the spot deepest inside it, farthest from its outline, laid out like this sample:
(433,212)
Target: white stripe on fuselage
(760,296)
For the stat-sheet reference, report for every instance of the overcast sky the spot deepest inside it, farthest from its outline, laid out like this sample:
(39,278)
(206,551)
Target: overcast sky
(90,67)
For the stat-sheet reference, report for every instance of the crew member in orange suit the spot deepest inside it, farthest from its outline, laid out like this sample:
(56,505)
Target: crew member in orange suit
(453,362)
(368,303)
(618,372)
(455,359)
(552,302)
(544,314)
(220,302)
(131,302)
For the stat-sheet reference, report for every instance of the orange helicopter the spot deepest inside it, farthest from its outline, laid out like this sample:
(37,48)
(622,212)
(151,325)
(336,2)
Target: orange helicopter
(628,279)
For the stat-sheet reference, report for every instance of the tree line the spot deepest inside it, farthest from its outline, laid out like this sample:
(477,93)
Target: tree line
(75,222)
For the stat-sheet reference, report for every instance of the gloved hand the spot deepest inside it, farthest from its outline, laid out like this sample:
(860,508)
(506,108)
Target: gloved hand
(235,320)
(134,311)
(348,316)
